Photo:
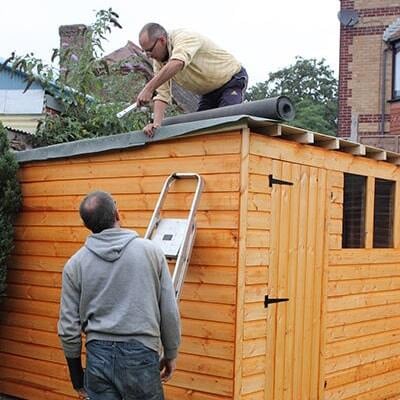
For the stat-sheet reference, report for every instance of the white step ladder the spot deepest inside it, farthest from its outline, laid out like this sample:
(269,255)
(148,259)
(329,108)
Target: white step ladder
(176,235)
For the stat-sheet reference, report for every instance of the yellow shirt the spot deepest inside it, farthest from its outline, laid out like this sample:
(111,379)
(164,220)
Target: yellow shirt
(206,66)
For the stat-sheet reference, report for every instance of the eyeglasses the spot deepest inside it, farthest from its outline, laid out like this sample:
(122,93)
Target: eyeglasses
(150,50)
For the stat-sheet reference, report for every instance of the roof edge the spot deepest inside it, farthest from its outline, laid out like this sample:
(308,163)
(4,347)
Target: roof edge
(217,125)
(132,139)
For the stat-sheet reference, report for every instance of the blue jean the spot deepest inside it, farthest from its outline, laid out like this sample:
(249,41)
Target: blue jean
(122,371)
(227,95)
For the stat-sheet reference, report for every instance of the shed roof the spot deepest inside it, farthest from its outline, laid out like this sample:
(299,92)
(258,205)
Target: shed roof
(217,125)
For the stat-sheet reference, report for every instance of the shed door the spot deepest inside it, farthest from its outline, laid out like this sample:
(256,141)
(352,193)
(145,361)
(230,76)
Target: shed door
(295,272)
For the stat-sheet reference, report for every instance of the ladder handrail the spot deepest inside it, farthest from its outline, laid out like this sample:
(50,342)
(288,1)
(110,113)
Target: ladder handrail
(176,175)
(185,252)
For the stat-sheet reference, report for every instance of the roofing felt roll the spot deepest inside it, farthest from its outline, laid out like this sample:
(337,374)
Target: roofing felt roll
(277,108)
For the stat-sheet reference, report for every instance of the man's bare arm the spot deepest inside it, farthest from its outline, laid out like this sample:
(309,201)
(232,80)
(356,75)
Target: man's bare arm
(164,75)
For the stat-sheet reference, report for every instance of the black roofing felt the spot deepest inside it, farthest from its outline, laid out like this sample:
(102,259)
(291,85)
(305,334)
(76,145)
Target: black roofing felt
(136,138)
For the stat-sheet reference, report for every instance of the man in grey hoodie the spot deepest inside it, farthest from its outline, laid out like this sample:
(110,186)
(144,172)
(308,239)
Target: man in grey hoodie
(117,290)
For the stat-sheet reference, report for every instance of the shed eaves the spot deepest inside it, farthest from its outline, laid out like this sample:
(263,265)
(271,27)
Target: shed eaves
(259,125)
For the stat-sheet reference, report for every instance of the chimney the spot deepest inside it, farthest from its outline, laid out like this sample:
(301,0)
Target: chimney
(71,37)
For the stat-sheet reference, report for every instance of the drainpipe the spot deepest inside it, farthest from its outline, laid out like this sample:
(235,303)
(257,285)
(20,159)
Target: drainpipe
(383,90)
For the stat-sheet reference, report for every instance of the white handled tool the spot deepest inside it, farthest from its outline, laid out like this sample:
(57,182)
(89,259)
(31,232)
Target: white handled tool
(126,110)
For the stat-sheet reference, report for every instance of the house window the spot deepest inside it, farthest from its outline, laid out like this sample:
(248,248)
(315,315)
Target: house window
(354,201)
(383,213)
(396,71)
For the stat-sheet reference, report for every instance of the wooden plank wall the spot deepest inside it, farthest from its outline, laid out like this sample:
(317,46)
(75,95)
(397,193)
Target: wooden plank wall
(362,312)
(251,380)
(49,230)
(223,354)
(360,319)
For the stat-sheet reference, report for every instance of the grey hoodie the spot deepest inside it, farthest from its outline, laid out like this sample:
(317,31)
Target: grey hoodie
(118,287)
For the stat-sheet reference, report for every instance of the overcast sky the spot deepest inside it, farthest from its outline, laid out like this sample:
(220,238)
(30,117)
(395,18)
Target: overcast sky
(265,35)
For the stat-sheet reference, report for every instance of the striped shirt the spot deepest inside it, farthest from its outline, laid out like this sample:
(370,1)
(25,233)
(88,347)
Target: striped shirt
(206,68)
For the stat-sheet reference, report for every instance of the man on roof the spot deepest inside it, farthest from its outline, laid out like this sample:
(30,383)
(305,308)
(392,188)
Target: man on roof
(194,62)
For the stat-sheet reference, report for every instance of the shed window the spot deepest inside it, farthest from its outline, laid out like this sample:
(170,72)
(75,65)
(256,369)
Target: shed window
(383,213)
(396,71)
(354,211)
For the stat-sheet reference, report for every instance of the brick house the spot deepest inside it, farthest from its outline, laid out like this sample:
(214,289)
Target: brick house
(369,72)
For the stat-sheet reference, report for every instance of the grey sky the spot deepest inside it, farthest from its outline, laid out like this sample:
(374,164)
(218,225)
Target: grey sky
(264,35)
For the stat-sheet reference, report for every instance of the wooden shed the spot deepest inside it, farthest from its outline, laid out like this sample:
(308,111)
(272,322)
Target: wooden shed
(285,214)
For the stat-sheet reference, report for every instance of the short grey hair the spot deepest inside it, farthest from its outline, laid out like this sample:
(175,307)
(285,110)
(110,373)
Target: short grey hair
(98,211)
(153,30)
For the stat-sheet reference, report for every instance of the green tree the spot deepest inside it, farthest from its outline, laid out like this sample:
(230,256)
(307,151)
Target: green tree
(312,87)
(91,91)
(10,201)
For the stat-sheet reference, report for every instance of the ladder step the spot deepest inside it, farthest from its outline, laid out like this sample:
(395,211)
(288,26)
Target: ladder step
(169,235)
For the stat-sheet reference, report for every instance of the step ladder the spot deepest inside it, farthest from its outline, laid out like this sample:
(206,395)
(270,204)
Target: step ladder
(176,235)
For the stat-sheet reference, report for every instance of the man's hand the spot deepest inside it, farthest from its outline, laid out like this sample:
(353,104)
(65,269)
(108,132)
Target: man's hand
(82,394)
(167,368)
(144,96)
(150,129)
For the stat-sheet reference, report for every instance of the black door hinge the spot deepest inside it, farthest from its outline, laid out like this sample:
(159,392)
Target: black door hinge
(267,301)
(274,181)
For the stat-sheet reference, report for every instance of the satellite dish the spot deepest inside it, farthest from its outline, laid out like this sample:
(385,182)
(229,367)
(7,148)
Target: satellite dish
(348,17)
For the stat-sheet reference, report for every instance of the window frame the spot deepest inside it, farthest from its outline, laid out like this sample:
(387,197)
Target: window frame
(395,70)
(378,218)
(347,225)
(368,229)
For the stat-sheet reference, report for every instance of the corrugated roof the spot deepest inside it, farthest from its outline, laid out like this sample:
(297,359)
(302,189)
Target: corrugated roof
(22,123)
(217,125)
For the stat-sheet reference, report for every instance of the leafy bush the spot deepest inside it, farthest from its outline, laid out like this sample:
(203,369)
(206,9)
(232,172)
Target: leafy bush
(10,201)
(94,120)
(90,90)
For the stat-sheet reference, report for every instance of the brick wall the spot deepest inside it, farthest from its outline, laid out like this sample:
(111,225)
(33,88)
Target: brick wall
(395,118)
(360,68)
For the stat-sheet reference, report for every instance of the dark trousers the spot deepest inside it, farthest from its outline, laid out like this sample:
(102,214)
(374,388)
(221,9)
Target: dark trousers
(231,93)
(122,371)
